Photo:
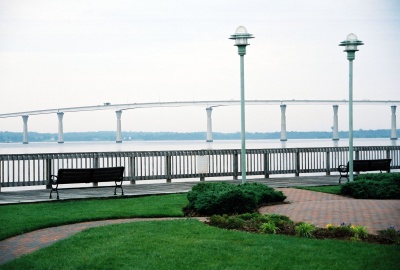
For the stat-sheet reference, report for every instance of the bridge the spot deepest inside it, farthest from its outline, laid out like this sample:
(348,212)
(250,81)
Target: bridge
(118,108)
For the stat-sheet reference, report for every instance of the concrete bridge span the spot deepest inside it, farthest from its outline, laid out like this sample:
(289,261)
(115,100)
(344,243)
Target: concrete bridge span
(209,105)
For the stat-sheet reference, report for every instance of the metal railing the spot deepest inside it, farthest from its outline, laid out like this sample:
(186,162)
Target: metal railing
(36,169)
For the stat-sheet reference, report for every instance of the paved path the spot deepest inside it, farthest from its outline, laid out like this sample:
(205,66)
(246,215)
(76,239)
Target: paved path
(321,209)
(42,195)
(316,208)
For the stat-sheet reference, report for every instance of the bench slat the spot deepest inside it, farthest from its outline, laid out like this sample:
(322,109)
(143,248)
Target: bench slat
(74,176)
(107,174)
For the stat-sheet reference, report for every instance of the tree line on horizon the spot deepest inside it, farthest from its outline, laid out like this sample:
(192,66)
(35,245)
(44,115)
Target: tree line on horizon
(7,137)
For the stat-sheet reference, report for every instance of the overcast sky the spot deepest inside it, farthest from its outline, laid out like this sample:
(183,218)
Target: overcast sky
(67,53)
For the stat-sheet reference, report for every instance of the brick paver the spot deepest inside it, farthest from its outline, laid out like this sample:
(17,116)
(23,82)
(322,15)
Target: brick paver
(321,208)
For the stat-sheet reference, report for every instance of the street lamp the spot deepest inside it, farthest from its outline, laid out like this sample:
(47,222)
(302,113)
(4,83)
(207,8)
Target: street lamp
(241,36)
(351,44)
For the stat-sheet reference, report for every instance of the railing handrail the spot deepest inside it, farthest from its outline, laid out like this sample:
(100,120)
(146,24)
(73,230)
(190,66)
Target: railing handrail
(207,151)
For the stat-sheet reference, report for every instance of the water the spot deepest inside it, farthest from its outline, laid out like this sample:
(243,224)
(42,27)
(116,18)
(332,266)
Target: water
(109,146)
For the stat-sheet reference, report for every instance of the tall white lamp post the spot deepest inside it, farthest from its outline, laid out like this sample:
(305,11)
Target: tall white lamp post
(351,44)
(241,36)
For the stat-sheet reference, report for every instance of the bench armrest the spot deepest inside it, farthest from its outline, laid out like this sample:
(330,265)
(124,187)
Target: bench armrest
(342,168)
(53,179)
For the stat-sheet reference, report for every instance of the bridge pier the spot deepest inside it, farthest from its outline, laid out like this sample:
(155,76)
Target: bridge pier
(25,129)
(283,123)
(119,137)
(209,125)
(335,130)
(394,132)
(60,127)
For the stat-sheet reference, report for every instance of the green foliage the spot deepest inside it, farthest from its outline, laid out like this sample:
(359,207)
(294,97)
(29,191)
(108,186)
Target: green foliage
(227,222)
(348,231)
(279,219)
(344,230)
(374,186)
(254,222)
(279,224)
(360,232)
(269,228)
(226,198)
(390,235)
(305,230)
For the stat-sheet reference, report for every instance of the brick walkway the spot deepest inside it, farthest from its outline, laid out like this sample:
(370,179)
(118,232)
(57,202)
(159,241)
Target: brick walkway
(314,207)
(321,208)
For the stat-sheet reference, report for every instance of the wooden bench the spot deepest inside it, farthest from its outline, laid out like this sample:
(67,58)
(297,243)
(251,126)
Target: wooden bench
(364,166)
(94,175)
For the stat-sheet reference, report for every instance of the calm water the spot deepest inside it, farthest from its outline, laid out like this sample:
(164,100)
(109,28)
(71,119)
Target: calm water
(71,147)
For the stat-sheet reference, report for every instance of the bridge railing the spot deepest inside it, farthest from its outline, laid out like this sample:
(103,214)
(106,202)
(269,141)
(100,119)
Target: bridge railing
(36,169)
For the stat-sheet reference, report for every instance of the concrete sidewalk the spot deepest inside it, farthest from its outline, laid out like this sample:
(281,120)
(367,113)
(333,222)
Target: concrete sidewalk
(42,195)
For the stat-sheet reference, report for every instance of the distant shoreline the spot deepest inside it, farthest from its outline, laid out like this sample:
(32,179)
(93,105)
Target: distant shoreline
(12,137)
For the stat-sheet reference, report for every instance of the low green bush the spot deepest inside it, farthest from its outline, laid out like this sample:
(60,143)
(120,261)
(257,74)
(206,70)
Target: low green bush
(226,198)
(269,228)
(305,230)
(391,235)
(228,222)
(279,224)
(254,222)
(374,186)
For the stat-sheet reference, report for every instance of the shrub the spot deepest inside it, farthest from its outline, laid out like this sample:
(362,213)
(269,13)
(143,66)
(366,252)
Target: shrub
(254,222)
(390,235)
(374,186)
(227,222)
(279,219)
(269,228)
(305,230)
(263,194)
(277,224)
(360,232)
(343,231)
(218,220)
(225,198)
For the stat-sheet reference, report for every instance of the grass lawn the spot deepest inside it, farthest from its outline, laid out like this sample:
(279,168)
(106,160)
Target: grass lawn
(326,189)
(190,244)
(21,218)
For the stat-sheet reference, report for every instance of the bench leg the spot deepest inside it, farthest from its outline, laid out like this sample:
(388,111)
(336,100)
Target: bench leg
(343,176)
(120,186)
(58,197)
